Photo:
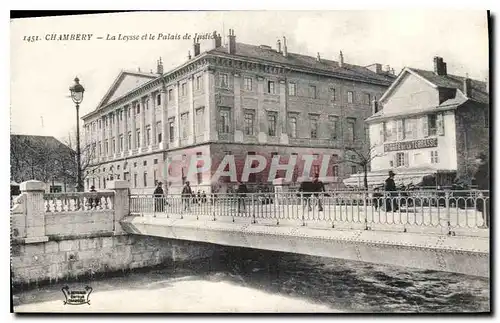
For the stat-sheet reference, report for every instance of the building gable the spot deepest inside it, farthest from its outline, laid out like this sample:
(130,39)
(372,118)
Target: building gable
(410,92)
(124,83)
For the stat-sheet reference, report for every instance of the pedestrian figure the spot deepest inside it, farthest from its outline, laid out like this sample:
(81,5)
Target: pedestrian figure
(241,193)
(203,197)
(306,188)
(390,186)
(94,202)
(319,188)
(187,194)
(482,179)
(158,197)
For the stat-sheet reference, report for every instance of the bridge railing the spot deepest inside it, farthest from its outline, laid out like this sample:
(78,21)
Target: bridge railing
(446,209)
(78,201)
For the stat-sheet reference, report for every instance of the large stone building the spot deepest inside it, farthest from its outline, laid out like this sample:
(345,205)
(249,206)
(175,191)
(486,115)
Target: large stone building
(429,129)
(239,100)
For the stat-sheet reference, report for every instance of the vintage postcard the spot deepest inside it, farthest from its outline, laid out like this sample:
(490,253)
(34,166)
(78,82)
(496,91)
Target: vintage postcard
(251,162)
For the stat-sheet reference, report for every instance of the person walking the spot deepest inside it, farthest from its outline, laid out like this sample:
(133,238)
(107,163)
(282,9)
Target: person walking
(482,180)
(158,195)
(187,194)
(390,186)
(94,202)
(318,188)
(306,190)
(241,192)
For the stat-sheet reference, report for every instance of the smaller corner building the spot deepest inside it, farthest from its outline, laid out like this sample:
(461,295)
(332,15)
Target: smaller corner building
(235,99)
(429,127)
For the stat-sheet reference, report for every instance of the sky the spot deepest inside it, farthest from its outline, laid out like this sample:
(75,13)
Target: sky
(42,71)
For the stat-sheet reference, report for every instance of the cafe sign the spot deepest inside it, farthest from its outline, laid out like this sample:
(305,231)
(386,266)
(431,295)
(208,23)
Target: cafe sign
(409,145)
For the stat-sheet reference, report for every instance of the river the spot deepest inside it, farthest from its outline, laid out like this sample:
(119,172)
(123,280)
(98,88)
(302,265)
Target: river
(244,280)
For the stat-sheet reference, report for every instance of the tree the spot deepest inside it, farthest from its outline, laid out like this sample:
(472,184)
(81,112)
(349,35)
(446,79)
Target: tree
(362,159)
(88,161)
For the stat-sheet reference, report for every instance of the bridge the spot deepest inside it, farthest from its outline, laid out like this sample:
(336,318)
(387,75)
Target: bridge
(443,231)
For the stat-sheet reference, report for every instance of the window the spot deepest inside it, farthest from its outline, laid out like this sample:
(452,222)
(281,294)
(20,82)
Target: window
(248,83)
(333,94)
(292,89)
(100,148)
(350,97)
(200,121)
(121,142)
(432,124)
(199,82)
(135,180)
(314,127)
(401,159)
(138,108)
(126,176)
(366,98)
(223,80)
(171,130)
(335,170)
(170,94)
(158,130)
(434,157)
(410,131)
(138,138)
(224,120)
(106,147)
(183,89)
(184,125)
(440,124)
(113,145)
(155,181)
(145,179)
(270,87)
(293,127)
(271,121)
(351,129)
(312,91)
(144,163)
(249,119)
(135,164)
(148,136)
(334,127)
(390,130)
(354,169)
(146,104)
(158,99)
(155,161)
(129,142)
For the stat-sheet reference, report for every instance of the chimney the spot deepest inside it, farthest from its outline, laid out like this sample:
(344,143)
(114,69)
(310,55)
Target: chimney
(196,48)
(189,54)
(318,58)
(232,42)
(216,40)
(285,50)
(439,66)
(159,67)
(377,68)
(278,46)
(341,59)
(374,106)
(467,86)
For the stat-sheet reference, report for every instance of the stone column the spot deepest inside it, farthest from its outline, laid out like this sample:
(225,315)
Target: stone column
(142,123)
(261,113)
(164,119)
(210,106)
(177,131)
(35,211)
(283,117)
(103,137)
(110,135)
(153,120)
(120,204)
(133,110)
(238,116)
(117,133)
(191,115)
(125,130)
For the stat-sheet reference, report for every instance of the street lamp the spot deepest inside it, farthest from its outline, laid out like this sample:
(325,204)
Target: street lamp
(77,97)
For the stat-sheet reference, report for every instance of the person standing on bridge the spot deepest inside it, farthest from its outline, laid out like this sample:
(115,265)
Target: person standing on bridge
(390,186)
(158,197)
(319,188)
(187,194)
(482,180)
(241,194)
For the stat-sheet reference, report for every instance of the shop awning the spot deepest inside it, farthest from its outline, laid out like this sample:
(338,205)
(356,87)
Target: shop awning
(411,176)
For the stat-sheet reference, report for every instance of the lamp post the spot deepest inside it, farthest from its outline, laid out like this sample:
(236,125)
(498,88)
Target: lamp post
(77,97)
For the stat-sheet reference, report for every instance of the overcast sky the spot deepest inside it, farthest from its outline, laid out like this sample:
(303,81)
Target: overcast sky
(41,72)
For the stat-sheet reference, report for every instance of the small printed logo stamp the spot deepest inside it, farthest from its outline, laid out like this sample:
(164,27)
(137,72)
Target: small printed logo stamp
(77,296)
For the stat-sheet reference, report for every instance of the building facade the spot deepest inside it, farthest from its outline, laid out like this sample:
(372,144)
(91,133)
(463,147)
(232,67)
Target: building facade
(236,100)
(429,127)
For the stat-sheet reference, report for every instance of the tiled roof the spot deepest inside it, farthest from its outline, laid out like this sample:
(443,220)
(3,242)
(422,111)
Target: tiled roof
(308,62)
(478,92)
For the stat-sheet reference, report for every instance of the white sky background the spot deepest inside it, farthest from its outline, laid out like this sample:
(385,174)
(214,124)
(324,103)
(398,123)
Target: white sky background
(41,72)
